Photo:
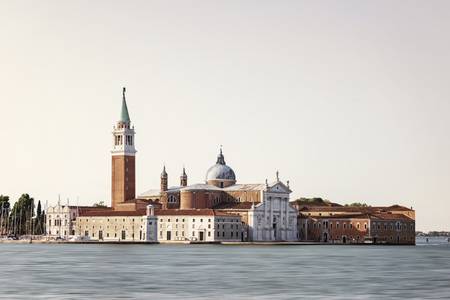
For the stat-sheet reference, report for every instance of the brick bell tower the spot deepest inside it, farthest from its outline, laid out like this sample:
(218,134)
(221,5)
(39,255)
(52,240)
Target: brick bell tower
(123,159)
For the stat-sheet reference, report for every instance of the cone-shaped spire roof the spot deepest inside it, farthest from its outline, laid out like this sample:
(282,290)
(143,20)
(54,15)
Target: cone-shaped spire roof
(164,173)
(124,116)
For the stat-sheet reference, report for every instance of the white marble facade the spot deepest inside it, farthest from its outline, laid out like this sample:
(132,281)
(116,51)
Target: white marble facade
(60,220)
(274,219)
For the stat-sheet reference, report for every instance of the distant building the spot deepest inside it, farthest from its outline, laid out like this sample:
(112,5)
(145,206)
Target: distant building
(350,224)
(61,219)
(202,225)
(104,225)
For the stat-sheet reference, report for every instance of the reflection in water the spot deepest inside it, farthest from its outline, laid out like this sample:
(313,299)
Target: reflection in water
(214,271)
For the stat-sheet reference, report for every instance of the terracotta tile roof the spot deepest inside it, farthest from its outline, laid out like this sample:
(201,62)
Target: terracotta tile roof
(362,209)
(340,216)
(389,216)
(110,212)
(394,207)
(87,207)
(372,216)
(190,212)
(333,208)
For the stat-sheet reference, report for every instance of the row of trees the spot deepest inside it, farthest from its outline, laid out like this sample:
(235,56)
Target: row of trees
(23,218)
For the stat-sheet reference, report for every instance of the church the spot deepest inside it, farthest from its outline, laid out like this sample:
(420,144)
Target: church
(263,209)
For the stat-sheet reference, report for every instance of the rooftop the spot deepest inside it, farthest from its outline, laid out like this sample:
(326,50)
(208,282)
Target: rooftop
(372,216)
(233,205)
(190,212)
(246,187)
(200,186)
(111,213)
(354,208)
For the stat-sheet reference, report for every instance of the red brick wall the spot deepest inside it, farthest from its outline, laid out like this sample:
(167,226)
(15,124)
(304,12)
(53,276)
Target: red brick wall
(335,230)
(393,231)
(123,185)
(356,230)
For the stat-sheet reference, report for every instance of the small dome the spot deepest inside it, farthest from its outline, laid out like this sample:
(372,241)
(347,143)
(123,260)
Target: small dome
(220,172)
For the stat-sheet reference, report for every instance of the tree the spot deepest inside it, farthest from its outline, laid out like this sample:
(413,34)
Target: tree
(21,214)
(100,204)
(4,213)
(4,204)
(357,204)
(39,220)
(39,209)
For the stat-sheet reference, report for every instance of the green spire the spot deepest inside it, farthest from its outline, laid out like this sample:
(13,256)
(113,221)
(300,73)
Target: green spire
(124,116)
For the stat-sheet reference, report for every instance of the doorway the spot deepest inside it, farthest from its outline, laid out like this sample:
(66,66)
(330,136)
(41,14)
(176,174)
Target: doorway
(100,235)
(169,235)
(201,234)
(344,240)
(325,237)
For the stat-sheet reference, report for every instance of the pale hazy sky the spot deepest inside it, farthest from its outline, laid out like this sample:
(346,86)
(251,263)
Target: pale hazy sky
(349,100)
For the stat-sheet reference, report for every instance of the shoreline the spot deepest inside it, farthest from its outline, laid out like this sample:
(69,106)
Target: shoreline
(193,243)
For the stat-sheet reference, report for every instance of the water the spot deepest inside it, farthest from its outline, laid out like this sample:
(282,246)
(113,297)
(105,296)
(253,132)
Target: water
(224,272)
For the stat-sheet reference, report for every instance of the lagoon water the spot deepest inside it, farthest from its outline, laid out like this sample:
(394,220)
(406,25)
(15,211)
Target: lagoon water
(65,271)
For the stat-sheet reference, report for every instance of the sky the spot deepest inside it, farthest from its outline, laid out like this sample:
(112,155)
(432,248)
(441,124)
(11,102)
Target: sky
(349,100)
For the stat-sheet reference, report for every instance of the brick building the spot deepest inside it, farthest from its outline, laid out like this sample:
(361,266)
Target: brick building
(350,224)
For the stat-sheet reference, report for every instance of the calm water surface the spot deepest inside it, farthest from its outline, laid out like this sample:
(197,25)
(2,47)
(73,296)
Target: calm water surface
(224,272)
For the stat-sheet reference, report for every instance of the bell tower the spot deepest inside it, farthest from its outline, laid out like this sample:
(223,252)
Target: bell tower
(183,178)
(164,180)
(123,185)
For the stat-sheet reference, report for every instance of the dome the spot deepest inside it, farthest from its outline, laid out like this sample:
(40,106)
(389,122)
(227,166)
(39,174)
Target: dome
(220,171)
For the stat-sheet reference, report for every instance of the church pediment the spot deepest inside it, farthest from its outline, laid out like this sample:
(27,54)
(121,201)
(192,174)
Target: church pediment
(278,187)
